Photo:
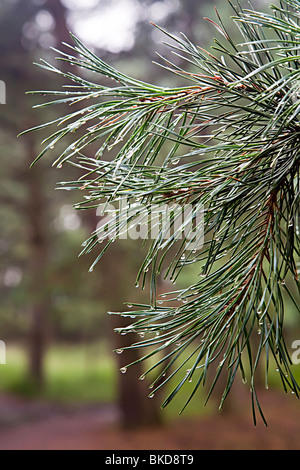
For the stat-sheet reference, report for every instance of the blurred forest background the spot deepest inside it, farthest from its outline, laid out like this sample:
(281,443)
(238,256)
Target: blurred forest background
(53,312)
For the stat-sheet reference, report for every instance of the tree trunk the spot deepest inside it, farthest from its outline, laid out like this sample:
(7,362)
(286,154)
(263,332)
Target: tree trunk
(135,406)
(136,409)
(59,12)
(36,212)
(37,267)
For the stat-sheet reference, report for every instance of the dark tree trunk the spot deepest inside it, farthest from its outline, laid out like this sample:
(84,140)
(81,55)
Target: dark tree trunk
(59,13)
(36,211)
(136,409)
(37,267)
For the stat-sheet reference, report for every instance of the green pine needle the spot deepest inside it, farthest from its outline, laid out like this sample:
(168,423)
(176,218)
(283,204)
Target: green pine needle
(229,141)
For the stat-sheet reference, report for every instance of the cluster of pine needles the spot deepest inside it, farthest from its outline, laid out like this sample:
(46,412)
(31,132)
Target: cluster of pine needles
(229,141)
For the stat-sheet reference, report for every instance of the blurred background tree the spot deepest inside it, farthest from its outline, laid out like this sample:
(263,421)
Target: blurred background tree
(48,299)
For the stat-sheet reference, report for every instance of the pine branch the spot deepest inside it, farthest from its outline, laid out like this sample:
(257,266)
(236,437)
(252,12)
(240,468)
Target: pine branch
(230,143)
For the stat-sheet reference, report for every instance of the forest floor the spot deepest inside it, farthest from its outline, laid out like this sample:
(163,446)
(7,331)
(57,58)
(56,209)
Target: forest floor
(28,425)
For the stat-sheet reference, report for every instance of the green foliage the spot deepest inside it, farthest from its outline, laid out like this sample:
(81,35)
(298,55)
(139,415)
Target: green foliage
(229,140)
(75,374)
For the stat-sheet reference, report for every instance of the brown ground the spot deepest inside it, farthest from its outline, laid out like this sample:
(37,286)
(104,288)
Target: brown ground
(40,426)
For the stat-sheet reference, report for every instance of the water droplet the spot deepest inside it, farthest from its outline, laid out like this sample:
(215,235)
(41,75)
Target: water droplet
(175,161)
(152,395)
(119,351)
(123,370)
(91,269)
(129,305)
(142,377)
